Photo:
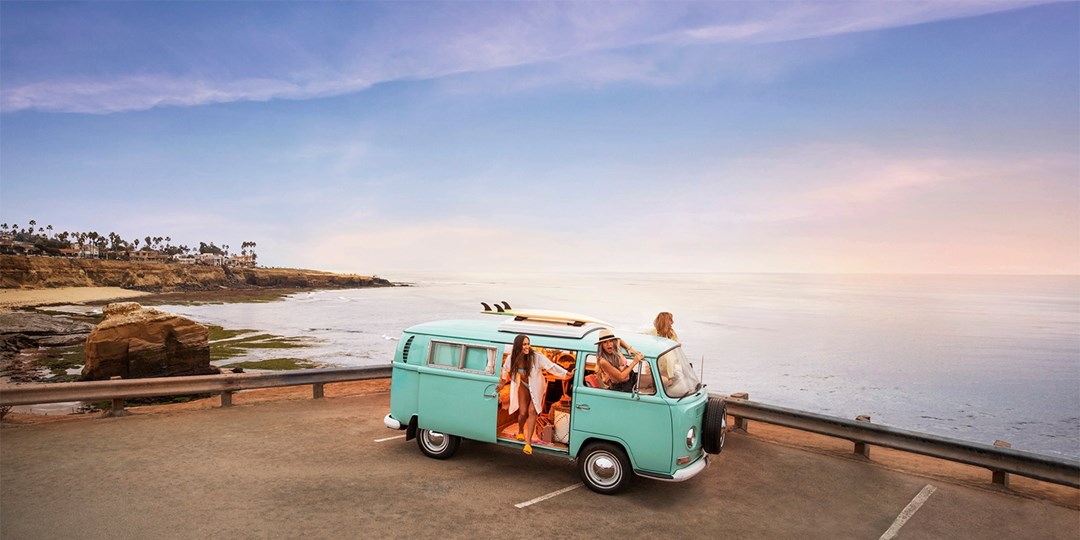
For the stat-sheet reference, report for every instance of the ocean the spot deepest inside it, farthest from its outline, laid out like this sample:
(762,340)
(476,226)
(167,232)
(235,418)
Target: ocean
(977,358)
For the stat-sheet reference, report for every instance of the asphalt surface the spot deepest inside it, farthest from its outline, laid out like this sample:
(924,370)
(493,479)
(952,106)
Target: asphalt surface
(320,469)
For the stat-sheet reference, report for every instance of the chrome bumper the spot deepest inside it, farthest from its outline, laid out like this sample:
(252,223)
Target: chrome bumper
(391,423)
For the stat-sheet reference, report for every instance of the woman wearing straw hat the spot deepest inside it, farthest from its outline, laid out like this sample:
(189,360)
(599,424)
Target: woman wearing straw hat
(611,366)
(526,385)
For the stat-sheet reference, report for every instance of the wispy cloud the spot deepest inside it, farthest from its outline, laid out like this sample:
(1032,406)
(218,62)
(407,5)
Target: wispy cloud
(148,91)
(408,42)
(791,21)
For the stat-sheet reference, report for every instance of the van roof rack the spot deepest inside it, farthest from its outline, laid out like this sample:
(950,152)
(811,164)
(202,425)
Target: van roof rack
(543,315)
(550,328)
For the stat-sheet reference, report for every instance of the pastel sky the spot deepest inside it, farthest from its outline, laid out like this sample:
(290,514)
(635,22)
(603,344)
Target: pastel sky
(901,136)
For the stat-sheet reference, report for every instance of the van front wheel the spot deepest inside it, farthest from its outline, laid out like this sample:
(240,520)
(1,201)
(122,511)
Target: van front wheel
(604,468)
(437,445)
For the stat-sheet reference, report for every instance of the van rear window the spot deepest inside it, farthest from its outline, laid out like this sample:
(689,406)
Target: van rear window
(461,356)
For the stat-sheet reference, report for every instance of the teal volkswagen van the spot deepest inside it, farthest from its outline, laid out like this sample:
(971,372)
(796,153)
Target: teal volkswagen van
(443,390)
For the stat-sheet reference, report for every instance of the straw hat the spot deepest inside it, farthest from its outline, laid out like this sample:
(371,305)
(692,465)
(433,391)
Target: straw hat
(605,335)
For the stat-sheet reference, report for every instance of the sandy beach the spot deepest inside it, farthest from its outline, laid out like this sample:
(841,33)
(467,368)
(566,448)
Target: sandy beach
(15,298)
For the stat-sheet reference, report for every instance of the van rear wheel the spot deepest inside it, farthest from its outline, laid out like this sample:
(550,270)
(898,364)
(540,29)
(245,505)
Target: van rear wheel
(715,426)
(437,445)
(604,468)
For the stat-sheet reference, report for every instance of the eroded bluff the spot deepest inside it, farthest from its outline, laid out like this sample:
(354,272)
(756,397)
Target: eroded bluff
(135,342)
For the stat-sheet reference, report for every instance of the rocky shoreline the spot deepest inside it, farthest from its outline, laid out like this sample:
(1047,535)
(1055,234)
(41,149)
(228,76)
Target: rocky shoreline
(41,346)
(28,341)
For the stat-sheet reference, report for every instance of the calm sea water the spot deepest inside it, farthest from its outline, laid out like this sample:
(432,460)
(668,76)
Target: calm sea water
(977,358)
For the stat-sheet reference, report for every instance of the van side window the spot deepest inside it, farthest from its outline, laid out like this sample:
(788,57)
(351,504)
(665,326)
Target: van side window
(479,359)
(464,357)
(591,379)
(642,373)
(646,386)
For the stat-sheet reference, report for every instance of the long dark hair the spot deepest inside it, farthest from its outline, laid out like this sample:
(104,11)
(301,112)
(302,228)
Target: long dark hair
(518,358)
(612,358)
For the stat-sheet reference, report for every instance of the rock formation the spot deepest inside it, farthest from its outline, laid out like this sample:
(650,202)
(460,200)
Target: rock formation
(135,342)
(20,330)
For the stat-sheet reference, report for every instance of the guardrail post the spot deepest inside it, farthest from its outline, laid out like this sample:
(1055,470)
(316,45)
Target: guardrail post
(1001,478)
(226,398)
(117,408)
(317,390)
(862,448)
(740,422)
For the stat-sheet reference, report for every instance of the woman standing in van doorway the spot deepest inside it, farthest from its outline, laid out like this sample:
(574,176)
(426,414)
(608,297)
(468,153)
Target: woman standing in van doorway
(526,385)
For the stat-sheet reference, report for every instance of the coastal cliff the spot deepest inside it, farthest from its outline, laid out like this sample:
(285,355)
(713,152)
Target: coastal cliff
(26,272)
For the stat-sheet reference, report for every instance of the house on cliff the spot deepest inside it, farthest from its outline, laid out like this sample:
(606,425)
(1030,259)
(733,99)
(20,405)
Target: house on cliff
(84,251)
(10,246)
(211,259)
(244,260)
(146,255)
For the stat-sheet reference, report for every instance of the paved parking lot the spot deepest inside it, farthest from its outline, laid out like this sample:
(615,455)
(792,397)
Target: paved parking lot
(329,469)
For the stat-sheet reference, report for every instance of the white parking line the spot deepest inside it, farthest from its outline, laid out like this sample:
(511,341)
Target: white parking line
(548,496)
(908,511)
(389,438)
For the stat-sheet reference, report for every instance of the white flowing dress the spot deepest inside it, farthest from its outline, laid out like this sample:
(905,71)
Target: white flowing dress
(536,380)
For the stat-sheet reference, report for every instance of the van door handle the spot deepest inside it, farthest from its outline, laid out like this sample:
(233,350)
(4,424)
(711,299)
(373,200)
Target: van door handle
(490,395)
(582,407)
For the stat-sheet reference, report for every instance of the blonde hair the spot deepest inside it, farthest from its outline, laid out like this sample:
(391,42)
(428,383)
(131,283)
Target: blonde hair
(663,325)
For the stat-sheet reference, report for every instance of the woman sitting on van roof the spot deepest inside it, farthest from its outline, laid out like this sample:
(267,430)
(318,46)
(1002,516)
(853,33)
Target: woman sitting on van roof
(611,366)
(526,385)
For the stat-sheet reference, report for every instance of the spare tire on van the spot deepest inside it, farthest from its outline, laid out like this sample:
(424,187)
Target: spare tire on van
(714,426)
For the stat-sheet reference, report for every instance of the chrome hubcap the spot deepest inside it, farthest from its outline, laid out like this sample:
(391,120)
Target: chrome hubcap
(603,468)
(434,440)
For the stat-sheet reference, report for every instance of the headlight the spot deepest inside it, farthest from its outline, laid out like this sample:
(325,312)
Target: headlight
(691,437)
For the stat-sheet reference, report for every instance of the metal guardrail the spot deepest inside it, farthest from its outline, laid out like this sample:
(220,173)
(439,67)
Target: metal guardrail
(224,384)
(998,459)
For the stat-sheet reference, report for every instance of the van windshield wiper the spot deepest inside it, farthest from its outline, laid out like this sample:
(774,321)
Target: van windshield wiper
(699,387)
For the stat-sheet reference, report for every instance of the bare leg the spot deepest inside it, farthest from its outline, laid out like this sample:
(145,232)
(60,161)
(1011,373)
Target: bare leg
(530,424)
(524,399)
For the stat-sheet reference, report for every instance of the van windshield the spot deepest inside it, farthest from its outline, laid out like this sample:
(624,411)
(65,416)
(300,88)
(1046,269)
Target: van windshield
(676,374)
